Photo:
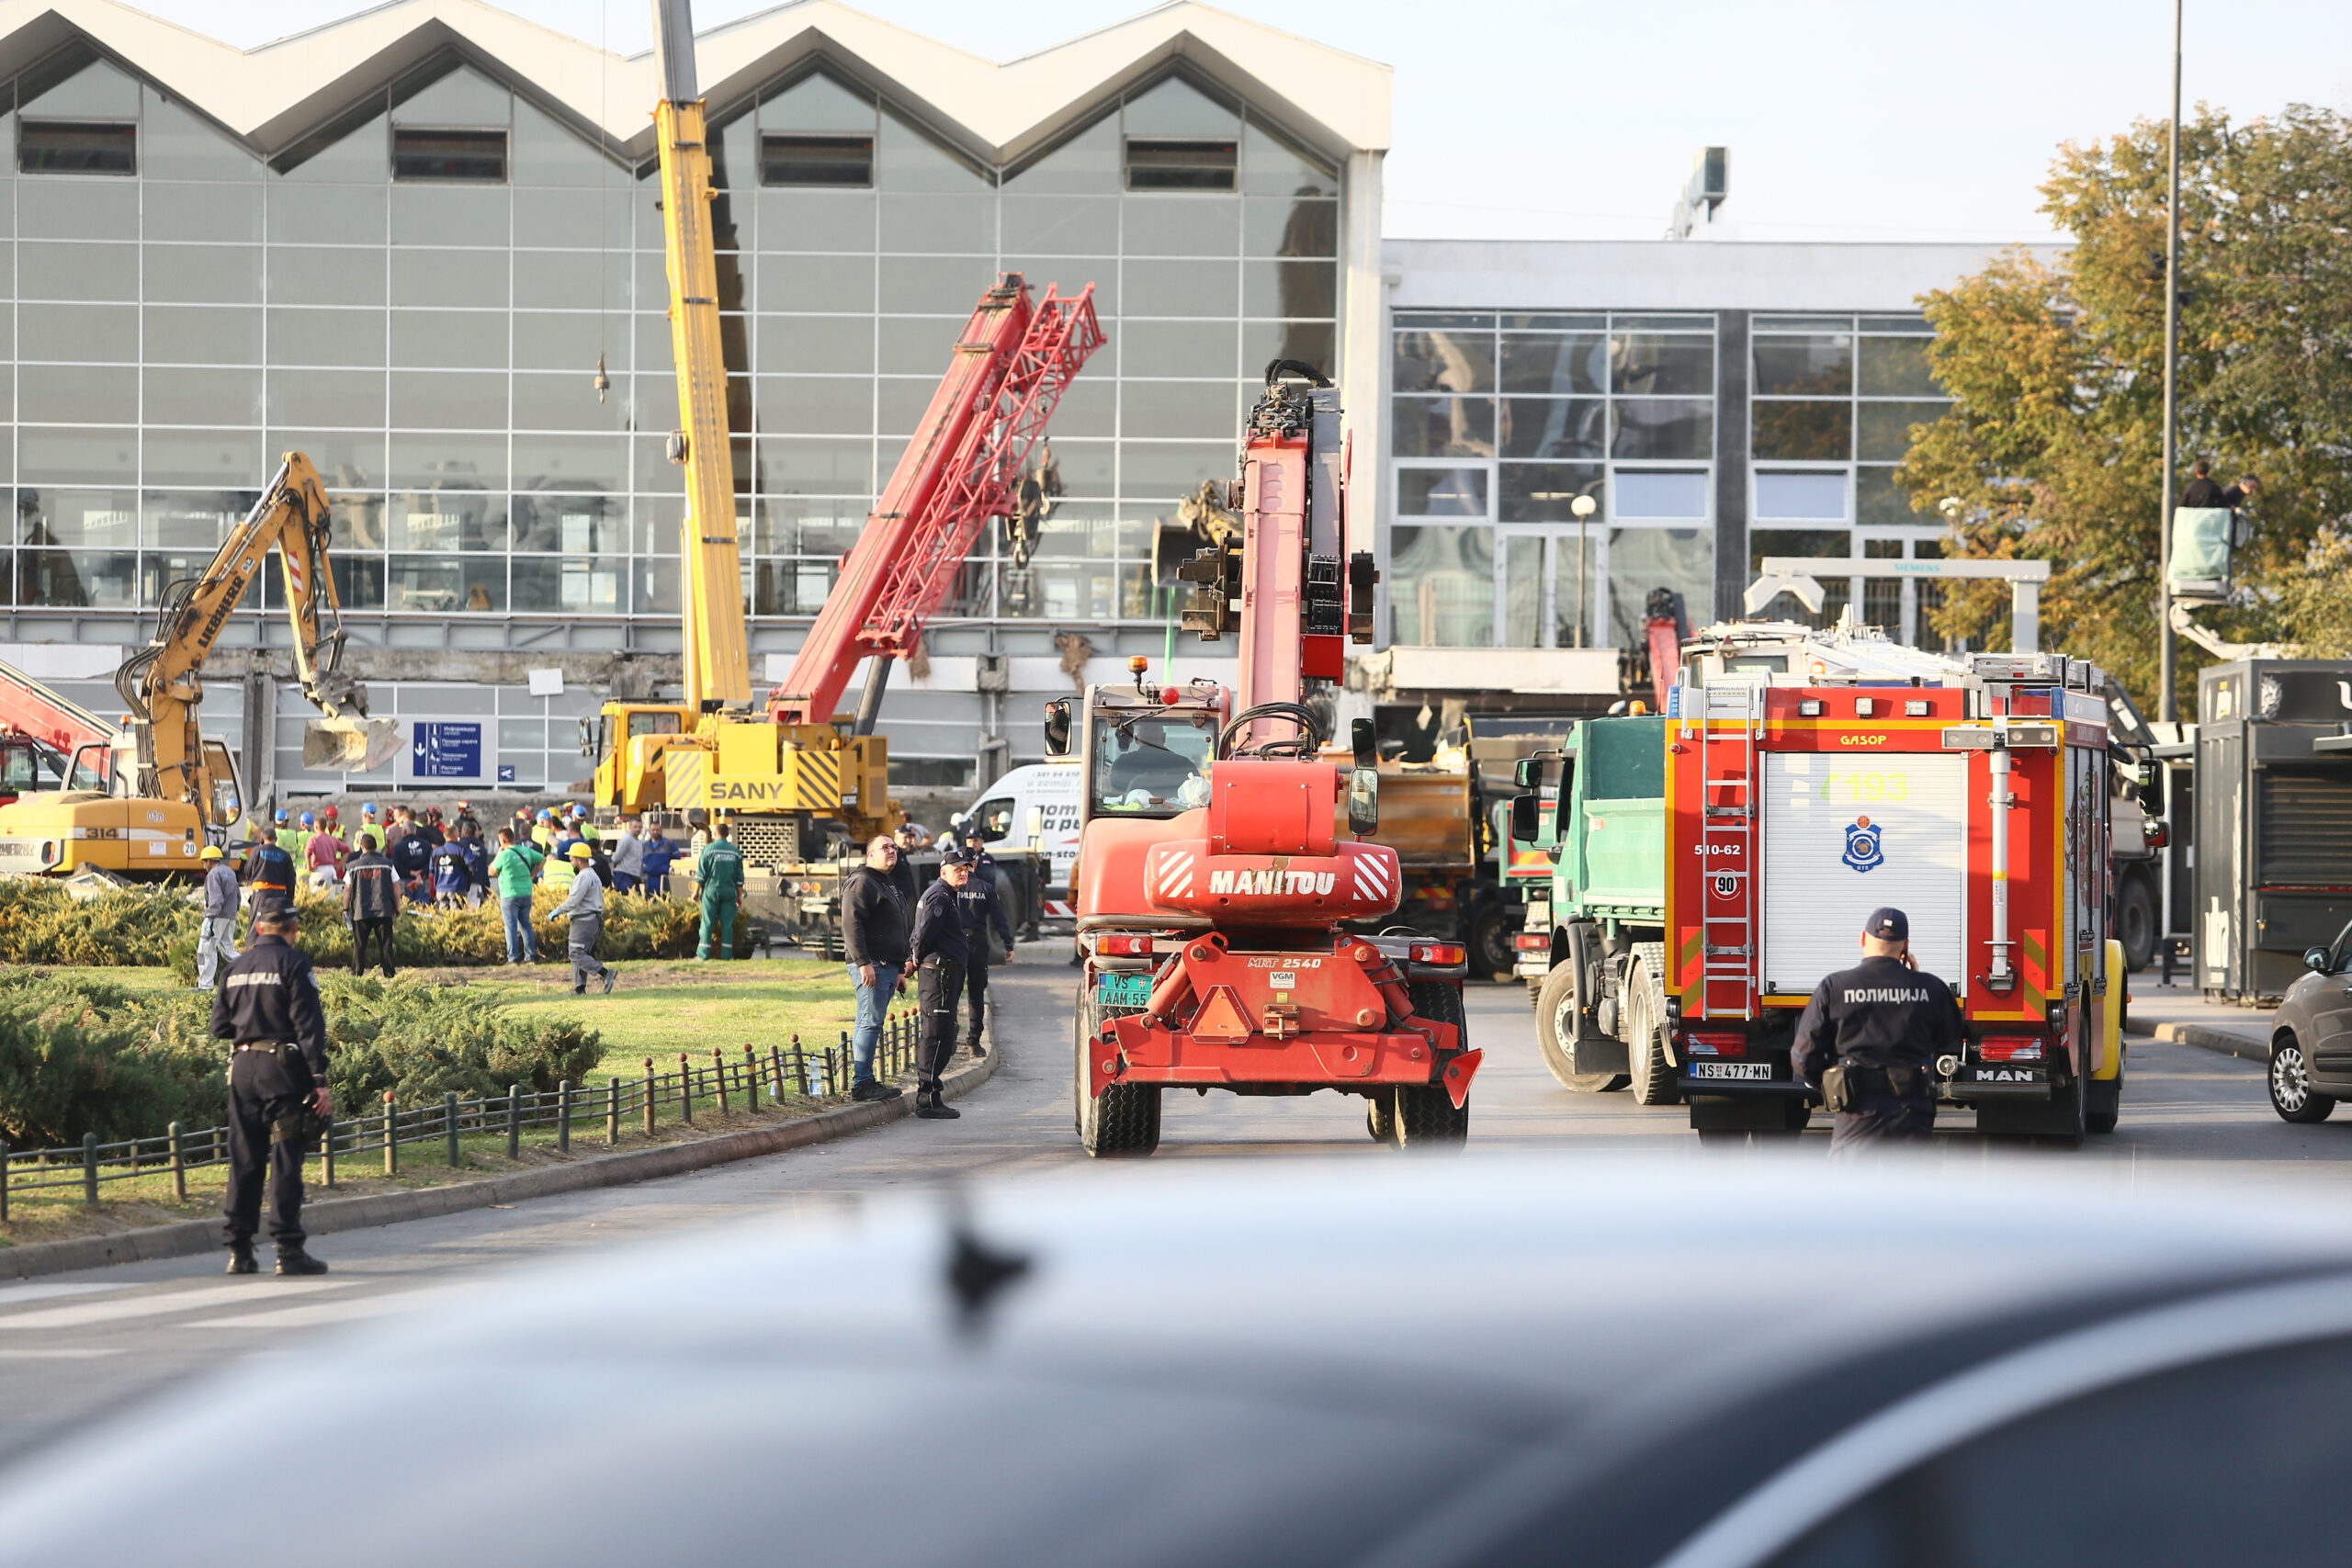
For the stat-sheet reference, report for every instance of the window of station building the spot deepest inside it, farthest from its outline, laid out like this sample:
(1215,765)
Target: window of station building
(834,161)
(1164,162)
(78,147)
(439,153)
(1501,423)
(1835,400)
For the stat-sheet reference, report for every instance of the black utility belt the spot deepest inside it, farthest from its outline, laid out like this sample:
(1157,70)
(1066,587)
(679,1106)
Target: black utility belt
(264,1045)
(1844,1085)
(934,960)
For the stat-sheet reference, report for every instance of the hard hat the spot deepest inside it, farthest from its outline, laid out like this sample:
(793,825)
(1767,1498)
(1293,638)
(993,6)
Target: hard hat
(578,810)
(546,815)
(332,814)
(209,852)
(580,851)
(309,821)
(235,809)
(281,815)
(368,810)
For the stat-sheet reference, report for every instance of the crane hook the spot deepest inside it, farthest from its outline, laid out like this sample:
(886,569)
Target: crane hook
(604,382)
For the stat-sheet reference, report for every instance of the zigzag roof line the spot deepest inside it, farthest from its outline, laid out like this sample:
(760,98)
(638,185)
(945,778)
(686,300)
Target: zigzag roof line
(271,96)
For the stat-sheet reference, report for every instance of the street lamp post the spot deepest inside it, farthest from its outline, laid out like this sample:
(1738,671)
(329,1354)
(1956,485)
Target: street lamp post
(1583,507)
(2165,707)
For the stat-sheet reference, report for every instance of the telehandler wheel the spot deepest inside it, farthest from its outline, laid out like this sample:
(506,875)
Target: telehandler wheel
(1556,1025)
(1644,1024)
(1425,1113)
(1122,1121)
(2104,1107)
(1380,1116)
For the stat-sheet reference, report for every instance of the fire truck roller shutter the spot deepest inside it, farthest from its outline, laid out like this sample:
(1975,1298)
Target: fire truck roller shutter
(1844,835)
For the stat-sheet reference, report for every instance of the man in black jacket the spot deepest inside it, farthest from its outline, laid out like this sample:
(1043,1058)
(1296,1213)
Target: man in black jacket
(2204,491)
(1880,1026)
(269,1006)
(371,902)
(940,956)
(873,939)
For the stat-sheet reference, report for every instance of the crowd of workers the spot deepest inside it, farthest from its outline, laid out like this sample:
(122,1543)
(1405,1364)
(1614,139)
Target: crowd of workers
(424,860)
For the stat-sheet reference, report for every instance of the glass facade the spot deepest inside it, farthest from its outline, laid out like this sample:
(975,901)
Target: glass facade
(419,297)
(1500,422)
(1832,403)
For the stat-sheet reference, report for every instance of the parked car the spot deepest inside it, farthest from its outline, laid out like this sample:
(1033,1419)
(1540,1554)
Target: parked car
(2311,1035)
(1308,1363)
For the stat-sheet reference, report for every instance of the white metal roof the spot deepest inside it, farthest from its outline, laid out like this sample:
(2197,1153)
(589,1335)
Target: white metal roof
(271,96)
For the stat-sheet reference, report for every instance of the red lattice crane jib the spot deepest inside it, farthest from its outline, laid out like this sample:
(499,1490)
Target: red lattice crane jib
(1011,365)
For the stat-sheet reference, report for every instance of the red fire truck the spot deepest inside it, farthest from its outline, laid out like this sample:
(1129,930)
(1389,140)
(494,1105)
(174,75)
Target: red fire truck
(1973,797)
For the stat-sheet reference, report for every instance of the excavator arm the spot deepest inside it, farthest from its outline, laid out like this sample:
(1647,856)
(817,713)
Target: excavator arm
(162,685)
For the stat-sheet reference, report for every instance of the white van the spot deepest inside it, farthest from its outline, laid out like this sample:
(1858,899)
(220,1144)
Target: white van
(1038,798)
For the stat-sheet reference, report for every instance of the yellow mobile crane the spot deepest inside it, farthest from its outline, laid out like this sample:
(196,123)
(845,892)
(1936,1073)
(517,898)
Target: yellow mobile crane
(137,802)
(791,776)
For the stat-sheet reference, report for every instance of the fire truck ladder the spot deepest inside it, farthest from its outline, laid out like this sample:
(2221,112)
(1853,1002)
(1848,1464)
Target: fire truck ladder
(1730,735)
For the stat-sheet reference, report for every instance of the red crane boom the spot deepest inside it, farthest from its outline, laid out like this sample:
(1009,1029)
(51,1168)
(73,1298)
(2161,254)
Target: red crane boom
(1010,367)
(28,708)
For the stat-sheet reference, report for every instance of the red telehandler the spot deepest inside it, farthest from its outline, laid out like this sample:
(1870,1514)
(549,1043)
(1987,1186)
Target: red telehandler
(1220,856)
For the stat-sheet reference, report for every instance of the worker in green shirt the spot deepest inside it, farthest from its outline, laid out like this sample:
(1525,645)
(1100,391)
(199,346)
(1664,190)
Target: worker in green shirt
(720,872)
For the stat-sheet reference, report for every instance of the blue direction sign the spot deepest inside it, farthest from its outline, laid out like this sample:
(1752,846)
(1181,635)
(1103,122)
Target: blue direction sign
(506,774)
(446,750)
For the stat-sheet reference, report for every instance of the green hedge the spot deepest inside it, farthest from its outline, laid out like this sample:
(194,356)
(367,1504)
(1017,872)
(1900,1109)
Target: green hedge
(41,923)
(79,1055)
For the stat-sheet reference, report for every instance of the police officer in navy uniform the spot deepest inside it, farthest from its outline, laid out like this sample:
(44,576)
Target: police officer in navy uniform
(940,952)
(1870,1037)
(269,1006)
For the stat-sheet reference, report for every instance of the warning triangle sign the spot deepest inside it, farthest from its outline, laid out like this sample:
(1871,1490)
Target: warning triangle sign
(1221,1021)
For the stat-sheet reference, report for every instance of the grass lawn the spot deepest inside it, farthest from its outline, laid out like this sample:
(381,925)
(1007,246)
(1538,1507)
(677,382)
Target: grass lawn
(656,1010)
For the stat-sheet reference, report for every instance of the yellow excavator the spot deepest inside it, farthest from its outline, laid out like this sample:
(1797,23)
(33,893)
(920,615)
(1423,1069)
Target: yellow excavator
(138,804)
(794,777)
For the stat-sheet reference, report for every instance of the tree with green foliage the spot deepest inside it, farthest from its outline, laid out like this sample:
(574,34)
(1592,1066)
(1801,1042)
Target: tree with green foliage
(2052,445)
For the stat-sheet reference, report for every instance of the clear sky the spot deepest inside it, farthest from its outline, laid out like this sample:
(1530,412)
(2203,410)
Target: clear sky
(1886,120)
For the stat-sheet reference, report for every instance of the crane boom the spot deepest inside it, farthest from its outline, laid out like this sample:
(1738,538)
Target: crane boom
(718,654)
(28,707)
(1011,367)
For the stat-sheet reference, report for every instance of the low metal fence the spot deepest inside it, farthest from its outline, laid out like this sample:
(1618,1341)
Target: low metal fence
(640,1103)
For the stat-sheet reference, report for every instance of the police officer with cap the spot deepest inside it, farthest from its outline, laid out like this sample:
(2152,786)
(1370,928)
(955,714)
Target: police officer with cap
(1870,1037)
(269,1006)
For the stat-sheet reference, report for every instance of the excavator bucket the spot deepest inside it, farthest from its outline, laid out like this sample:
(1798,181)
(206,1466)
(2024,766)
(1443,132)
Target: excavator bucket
(349,745)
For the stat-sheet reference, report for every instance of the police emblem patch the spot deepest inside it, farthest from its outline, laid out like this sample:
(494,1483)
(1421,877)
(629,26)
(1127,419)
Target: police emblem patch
(1863,850)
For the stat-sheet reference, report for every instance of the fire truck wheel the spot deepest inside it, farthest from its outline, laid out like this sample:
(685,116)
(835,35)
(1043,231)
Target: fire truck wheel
(1556,1023)
(1380,1116)
(1425,1114)
(2104,1106)
(2290,1085)
(1644,1032)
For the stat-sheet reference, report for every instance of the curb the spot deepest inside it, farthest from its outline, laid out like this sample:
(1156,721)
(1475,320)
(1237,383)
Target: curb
(188,1238)
(2206,1038)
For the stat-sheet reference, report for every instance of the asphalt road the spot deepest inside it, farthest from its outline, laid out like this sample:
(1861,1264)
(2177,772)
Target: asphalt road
(76,1346)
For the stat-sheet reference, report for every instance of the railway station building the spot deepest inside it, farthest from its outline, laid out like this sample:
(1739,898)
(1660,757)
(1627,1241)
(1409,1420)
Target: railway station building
(421,244)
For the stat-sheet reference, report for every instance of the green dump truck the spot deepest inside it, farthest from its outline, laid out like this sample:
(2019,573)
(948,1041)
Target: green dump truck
(1592,949)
